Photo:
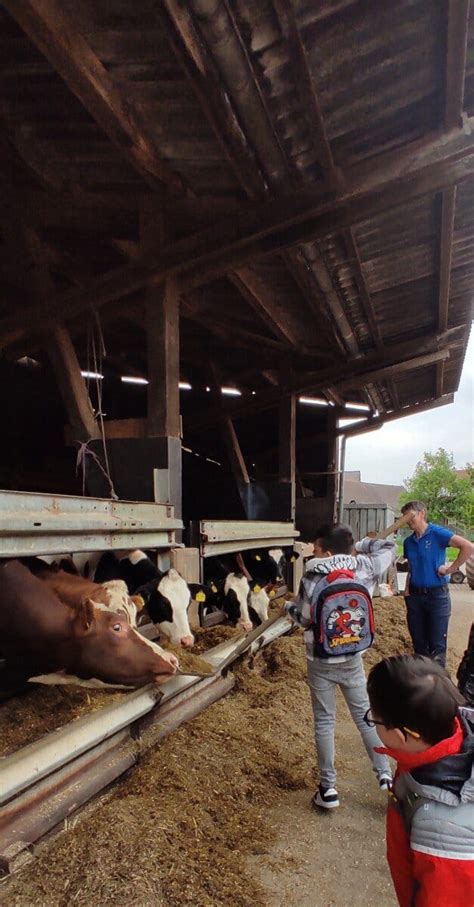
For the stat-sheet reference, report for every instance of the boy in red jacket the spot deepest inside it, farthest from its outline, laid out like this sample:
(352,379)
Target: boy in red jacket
(418,714)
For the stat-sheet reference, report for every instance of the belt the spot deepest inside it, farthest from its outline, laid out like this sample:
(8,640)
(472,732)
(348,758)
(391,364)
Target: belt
(424,590)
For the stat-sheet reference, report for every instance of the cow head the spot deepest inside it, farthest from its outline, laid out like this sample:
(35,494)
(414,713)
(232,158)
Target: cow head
(167,600)
(235,602)
(258,602)
(104,645)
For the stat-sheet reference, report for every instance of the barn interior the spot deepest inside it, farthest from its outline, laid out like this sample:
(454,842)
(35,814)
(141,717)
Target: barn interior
(226,227)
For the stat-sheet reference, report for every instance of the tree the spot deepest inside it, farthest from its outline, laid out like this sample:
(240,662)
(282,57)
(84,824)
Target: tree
(448,497)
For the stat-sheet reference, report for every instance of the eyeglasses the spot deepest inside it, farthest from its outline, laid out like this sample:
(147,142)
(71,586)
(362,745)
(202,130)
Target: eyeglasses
(370,720)
(373,722)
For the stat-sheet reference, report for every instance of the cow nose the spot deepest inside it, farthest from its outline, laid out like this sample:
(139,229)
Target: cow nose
(246,625)
(187,641)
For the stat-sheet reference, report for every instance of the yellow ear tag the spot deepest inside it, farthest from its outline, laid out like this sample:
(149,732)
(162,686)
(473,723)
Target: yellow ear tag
(272,593)
(257,588)
(201,597)
(293,559)
(257,557)
(213,588)
(139,602)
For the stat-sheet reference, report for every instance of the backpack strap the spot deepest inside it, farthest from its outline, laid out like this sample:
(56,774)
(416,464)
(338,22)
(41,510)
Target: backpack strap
(408,807)
(343,572)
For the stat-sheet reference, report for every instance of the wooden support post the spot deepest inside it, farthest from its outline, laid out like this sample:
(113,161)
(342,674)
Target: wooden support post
(62,355)
(331,487)
(287,445)
(234,452)
(162,317)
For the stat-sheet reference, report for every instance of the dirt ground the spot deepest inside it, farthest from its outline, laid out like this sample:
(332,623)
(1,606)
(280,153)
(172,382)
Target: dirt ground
(317,857)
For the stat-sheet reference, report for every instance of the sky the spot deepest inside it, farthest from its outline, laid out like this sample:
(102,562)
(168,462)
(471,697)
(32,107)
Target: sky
(390,454)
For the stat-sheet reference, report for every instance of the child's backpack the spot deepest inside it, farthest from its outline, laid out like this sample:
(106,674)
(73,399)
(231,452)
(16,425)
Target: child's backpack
(342,616)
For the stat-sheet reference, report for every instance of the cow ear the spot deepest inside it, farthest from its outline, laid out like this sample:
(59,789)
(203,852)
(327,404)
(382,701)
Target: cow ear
(84,618)
(198,592)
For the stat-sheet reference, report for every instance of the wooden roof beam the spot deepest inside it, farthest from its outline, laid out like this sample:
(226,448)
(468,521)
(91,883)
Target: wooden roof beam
(264,301)
(207,82)
(357,374)
(457,12)
(334,176)
(438,162)
(359,428)
(48,26)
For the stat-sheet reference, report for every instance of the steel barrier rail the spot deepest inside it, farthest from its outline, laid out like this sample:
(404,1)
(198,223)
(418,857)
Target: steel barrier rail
(227,536)
(62,771)
(46,524)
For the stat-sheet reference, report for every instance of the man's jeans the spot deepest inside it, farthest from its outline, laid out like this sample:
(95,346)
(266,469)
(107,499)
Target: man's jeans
(428,616)
(323,678)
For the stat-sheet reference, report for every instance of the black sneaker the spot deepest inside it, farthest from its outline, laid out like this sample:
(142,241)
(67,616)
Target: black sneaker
(385,782)
(326,797)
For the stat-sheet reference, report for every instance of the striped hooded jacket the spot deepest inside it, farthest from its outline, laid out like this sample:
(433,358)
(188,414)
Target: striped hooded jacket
(430,821)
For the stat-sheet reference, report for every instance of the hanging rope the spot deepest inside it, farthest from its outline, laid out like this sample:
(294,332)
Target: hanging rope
(81,463)
(96,352)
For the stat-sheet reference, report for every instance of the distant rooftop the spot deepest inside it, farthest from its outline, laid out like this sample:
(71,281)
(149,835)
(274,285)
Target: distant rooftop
(358,492)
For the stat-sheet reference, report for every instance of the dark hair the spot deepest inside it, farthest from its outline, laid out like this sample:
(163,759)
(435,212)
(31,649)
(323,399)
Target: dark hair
(415,692)
(321,534)
(340,540)
(417,506)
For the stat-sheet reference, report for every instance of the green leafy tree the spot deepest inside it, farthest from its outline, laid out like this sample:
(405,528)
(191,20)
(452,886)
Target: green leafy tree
(449,498)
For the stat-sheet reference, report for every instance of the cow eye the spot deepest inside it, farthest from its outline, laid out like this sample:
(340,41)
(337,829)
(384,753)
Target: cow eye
(117,627)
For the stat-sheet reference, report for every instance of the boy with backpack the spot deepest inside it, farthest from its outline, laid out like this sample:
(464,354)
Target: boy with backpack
(418,713)
(334,607)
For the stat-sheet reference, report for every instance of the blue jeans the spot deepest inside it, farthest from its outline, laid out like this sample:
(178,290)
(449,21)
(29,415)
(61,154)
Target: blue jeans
(428,616)
(323,680)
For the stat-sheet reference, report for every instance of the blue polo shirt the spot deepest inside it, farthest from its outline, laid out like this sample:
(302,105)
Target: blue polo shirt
(426,554)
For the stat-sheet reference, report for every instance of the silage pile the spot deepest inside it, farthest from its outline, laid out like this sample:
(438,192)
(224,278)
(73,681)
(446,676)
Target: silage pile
(178,829)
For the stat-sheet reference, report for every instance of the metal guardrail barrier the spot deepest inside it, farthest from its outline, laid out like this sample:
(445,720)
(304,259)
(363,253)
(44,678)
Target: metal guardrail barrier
(33,523)
(226,536)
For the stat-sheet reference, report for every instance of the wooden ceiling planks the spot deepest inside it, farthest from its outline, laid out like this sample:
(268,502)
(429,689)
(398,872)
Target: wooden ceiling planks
(327,95)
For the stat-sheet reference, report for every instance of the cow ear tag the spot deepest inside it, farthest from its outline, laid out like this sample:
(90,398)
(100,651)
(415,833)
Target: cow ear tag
(213,588)
(271,594)
(257,557)
(201,596)
(257,589)
(293,559)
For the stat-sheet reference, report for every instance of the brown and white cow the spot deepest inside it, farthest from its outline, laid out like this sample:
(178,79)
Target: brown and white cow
(41,633)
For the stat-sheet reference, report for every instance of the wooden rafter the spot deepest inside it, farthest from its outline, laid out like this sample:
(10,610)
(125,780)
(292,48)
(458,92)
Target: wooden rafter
(206,81)
(457,12)
(48,26)
(277,317)
(369,368)
(334,176)
(441,161)
(373,424)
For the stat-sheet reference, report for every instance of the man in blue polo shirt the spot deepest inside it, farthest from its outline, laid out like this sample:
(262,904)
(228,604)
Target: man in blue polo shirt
(427,591)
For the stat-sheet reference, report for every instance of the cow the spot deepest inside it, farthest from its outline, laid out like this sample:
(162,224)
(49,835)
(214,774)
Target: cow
(166,596)
(135,568)
(230,595)
(40,633)
(167,600)
(258,602)
(269,565)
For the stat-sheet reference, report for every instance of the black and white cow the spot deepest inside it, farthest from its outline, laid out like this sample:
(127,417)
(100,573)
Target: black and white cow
(135,568)
(258,602)
(166,596)
(269,565)
(167,600)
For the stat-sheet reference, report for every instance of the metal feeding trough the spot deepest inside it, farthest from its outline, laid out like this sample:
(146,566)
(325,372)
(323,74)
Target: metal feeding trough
(45,782)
